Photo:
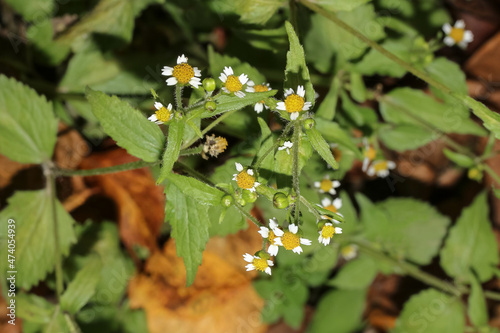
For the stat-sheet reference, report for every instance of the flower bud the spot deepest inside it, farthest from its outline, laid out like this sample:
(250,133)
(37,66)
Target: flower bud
(226,201)
(263,255)
(210,106)
(209,84)
(249,196)
(280,200)
(309,123)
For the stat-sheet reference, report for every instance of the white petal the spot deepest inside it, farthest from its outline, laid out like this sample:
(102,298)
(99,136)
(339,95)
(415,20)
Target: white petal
(297,250)
(195,82)
(320,238)
(250,172)
(391,165)
(252,189)
(281,106)
(235,176)
(248,257)
(335,183)
(293,228)
(317,184)
(240,94)
(300,91)
(463,44)
(383,173)
(256,184)
(337,203)
(270,263)
(197,72)
(228,71)
(449,41)
(277,241)
(273,250)
(326,241)
(223,77)
(468,36)
(250,83)
(239,167)
(250,267)
(332,191)
(243,78)
(264,232)
(167,71)
(153,117)
(288,92)
(158,105)
(338,230)
(366,161)
(294,115)
(250,89)
(171,81)
(268,270)
(307,106)
(447,28)
(288,144)
(278,232)
(305,241)
(273,224)
(224,89)
(371,171)
(169,107)
(460,24)
(326,202)
(281,148)
(182,59)
(259,107)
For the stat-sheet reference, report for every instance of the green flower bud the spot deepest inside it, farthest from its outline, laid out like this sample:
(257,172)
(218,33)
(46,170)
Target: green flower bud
(178,115)
(475,174)
(209,84)
(210,106)
(291,198)
(226,201)
(321,224)
(309,123)
(263,255)
(249,196)
(280,200)
(241,201)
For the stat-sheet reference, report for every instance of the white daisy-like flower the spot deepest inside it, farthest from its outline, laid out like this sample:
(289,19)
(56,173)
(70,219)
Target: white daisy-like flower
(245,178)
(258,263)
(286,145)
(232,83)
(270,234)
(291,240)
(457,34)
(332,206)
(327,185)
(182,73)
(162,114)
(326,233)
(369,153)
(294,102)
(349,252)
(252,87)
(381,168)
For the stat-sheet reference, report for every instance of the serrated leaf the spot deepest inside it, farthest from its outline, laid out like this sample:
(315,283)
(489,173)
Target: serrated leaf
(491,120)
(28,127)
(477,310)
(459,159)
(35,242)
(356,274)
(127,126)
(197,190)
(32,12)
(82,287)
(190,226)
(171,154)
(296,71)
(319,144)
(471,244)
(431,311)
(332,132)
(404,137)
(339,309)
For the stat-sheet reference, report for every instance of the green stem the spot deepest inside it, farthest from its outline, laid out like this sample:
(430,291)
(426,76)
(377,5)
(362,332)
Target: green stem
(102,171)
(209,127)
(51,192)
(310,207)
(293,15)
(191,151)
(274,146)
(492,173)
(178,97)
(297,127)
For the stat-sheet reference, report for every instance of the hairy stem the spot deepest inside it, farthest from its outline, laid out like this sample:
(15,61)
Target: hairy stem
(178,97)
(275,145)
(297,127)
(102,171)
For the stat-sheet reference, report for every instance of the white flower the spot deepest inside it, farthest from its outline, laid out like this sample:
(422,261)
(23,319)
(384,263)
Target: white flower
(245,178)
(258,263)
(457,34)
(182,73)
(332,206)
(327,185)
(349,252)
(286,145)
(233,84)
(381,168)
(291,240)
(326,233)
(163,114)
(294,103)
(252,87)
(369,153)
(270,234)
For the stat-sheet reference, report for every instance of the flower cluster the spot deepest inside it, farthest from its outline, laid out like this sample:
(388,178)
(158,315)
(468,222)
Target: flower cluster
(457,35)
(373,167)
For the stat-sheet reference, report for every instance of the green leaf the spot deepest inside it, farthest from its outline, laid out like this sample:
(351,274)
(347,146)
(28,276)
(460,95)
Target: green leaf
(266,144)
(405,136)
(491,120)
(471,244)
(358,88)
(35,242)
(28,127)
(252,12)
(296,72)
(431,311)
(31,12)
(47,51)
(339,311)
(478,311)
(340,5)
(459,159)
(197,190)
(171,154)
(189,228)
(284,162)
(328,106)
(356,274)
(83,286)
(360,115)
(127,126)
(40,315)
(333,133)
(406,227)
(319,144)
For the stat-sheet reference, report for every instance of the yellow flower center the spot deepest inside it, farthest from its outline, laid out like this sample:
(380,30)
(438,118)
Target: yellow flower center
(290,241)
(328,231)
(325,185)
(331,208)
(370,153)
(347,250)
(245,180)
(457,34)
(233,84)
(183,73)
(260,88)
(260,264)
(294,103)
(271,237)
(380,166)
(163,114)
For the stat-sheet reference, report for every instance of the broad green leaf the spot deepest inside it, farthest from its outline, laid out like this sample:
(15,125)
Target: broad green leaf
(431,311)
(197,190)
(404,137)
(459,159)
(477,310)
(471,244)
(190,226)
(35,242)
(341,5)
(358,88)
(83,286)
(327,44)
(319,144)
(339,311)
(491,120)
(47,51)
(274,40)
(360,115)
(171,154)
(28,127)
(328,106)
(32,11)
(127,126)
(40,315)
(251,12)
(405,227)
(333,133)
(284,162)
(267,142)
(232,222)
(296,72)
(349,213)
(356,274)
